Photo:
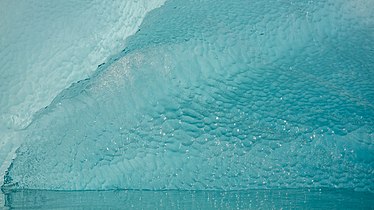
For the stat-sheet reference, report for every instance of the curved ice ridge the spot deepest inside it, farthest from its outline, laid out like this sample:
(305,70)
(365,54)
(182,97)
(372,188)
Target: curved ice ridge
(217,95)
(46,46)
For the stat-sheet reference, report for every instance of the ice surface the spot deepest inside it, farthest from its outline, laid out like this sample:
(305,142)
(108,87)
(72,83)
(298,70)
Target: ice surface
(46,46)
(217,95)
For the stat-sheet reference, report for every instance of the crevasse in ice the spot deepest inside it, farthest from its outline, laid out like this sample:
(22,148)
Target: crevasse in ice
(217,95)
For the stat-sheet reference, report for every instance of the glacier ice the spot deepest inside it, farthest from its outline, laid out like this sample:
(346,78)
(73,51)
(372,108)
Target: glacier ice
(217,95)
(45,46)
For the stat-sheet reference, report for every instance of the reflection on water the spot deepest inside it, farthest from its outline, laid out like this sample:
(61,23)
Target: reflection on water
(127,199)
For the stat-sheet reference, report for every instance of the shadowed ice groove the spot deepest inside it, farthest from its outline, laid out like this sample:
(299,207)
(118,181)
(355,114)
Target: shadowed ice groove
(217,95)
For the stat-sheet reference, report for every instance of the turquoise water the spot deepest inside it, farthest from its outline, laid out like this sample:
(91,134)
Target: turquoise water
(252,199)
(214,104)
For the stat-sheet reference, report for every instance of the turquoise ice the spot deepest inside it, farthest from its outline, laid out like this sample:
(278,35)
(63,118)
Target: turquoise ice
(228,95)
(46,46)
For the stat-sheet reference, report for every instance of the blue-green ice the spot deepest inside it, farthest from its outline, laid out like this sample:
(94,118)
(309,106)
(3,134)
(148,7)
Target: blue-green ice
(202,95)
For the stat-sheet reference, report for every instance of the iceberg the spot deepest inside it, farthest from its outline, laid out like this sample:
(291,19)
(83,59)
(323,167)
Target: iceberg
(216,95)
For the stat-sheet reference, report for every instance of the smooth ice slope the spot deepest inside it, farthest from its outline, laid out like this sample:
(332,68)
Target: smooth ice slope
(45,46)
(218,95)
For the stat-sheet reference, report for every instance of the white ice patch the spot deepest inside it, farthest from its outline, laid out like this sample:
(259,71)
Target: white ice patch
(47,45)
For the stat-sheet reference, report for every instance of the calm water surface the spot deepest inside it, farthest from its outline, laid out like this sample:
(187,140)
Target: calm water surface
(132,199)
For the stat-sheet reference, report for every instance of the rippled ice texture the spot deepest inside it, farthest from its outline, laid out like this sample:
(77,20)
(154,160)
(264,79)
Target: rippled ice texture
(46,46)
(214,94)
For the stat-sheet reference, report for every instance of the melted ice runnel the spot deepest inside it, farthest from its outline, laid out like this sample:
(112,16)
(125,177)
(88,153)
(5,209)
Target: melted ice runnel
(217,95)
